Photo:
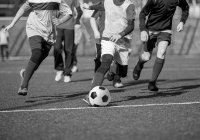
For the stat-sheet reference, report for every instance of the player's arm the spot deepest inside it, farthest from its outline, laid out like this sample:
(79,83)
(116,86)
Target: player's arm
(79,14)
(185,13)
(25,7)
(93,24)
(65,14)
(142,18)
(130,12)
(130,19)
(144,13)
(99,6)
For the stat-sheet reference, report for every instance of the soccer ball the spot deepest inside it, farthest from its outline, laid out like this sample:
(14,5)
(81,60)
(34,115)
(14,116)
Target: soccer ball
(99,96)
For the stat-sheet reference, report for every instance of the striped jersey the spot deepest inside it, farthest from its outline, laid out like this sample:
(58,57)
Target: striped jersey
(116,17)
(40,19)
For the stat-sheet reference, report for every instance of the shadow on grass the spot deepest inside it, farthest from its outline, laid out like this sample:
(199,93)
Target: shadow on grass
(63,97)
(174,91)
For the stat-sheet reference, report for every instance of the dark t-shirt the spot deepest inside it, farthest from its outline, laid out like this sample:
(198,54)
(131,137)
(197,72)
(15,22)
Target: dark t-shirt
(160,14)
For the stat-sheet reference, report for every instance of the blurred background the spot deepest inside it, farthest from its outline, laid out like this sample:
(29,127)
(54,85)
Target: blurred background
(184,43)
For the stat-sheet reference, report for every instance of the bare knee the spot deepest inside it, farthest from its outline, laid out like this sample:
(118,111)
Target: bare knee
(146,56)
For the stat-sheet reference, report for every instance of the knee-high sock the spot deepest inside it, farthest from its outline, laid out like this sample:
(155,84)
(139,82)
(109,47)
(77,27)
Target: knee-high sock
(98,49)
(36,59)
(101,71)
(97,61)
(30,68)
(140,63)
(157,68)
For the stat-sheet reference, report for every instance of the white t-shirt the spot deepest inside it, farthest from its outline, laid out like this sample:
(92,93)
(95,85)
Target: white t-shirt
(4,37)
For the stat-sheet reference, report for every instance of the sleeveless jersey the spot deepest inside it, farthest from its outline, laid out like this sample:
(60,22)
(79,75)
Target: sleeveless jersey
(115,18)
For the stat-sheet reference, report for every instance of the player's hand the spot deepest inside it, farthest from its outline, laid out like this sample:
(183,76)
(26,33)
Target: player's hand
(115,37)
(85,6)
(55,21)
(180,27)
(8,27)
(144,36)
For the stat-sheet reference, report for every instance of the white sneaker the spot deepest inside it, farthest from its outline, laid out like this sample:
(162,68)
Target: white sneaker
(74,69)
(67,79)
(58,76)
(118,85)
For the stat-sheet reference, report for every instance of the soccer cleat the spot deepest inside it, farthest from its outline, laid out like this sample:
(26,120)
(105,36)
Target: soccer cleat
(110,76)
(118,84)
(152,86)
(86,100)
(67,79)
(136,72)
(74,69)
(22,91)
(58,76)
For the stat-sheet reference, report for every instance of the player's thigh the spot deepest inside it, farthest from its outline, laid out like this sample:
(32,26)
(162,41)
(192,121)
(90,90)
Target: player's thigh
(121,55)
(36,42)
(162,48)
(107,47)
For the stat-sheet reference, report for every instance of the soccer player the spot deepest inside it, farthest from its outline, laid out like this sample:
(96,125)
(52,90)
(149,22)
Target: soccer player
(4,39)
(119,23)
(97,21)
(44,16)
(97,16)
(156,31)
(65,33)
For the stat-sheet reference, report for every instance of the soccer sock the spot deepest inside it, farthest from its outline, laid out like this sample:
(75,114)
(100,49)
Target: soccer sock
(98,48)
(140,63)
(101,71)
(113,67)
(36,59)
(117,78)
(158,65)
(97,64)
(31,67)
(98,57)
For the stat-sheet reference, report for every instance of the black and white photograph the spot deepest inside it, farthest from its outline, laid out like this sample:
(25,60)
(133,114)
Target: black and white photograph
(99,69)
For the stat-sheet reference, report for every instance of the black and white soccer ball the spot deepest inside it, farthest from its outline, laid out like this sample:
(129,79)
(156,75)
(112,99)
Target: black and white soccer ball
(99,96)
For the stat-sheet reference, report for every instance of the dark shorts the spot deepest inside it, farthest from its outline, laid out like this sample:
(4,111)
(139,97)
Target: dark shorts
(154,39)
(37,42)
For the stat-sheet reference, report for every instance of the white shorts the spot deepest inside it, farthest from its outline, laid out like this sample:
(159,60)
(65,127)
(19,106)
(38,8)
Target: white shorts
(119,52)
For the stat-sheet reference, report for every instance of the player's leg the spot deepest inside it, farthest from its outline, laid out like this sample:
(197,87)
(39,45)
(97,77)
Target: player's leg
(7,52)
(108,49)
(74,58)
(97,60)
(144,57)
(121,57)
(112,71)
(68,46)
(39,50)
(163,43)
(121,72)
(2,52)
(58,59)
(77,38)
